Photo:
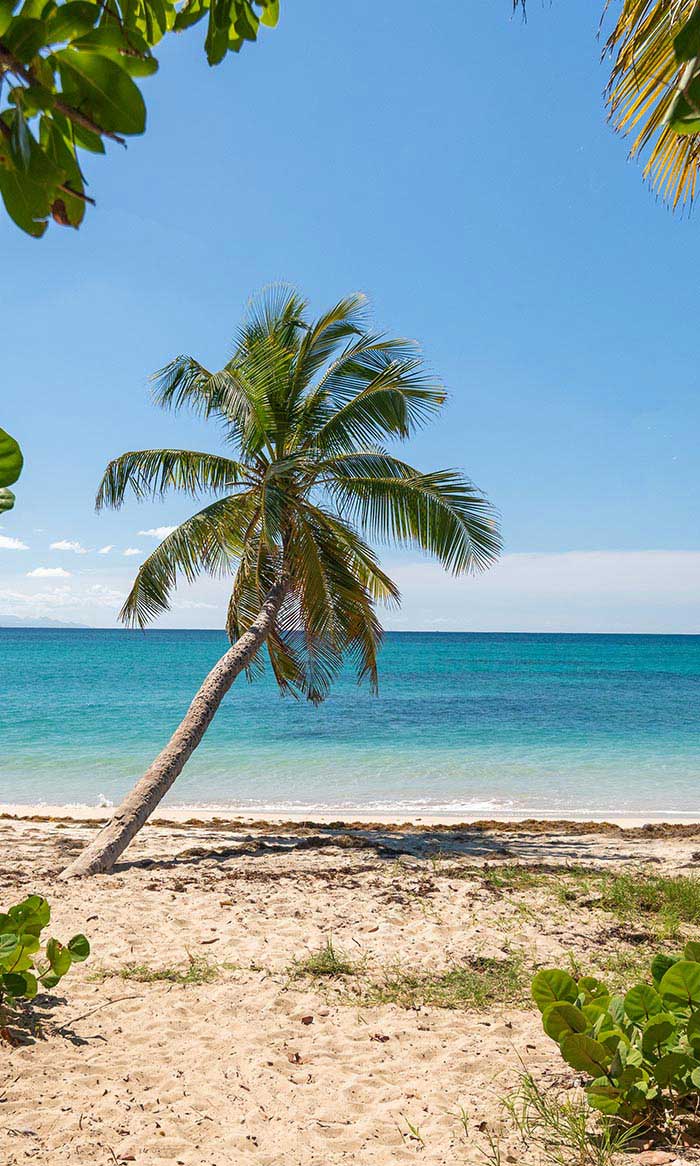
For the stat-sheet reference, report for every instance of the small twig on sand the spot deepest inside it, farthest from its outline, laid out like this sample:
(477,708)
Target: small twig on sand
(84,1015)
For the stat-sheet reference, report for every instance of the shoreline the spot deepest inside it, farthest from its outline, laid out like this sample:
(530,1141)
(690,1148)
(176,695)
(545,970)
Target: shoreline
(221,816)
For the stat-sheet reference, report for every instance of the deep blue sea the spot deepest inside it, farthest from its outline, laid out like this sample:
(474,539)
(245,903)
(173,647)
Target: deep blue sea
(464,723)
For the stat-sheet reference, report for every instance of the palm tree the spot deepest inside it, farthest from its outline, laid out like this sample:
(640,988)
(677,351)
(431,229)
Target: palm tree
(306,408)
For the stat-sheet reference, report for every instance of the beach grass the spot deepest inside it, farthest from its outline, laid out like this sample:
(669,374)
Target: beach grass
(197,971)
(476,985)
(326,962)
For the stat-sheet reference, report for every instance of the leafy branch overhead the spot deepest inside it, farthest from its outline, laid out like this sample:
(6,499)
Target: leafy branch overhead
(653,93)
(67,81)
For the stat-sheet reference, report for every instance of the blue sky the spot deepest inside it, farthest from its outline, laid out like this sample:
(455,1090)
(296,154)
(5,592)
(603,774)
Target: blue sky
(462,173)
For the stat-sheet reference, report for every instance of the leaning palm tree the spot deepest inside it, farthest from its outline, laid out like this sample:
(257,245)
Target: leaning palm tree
(306,409)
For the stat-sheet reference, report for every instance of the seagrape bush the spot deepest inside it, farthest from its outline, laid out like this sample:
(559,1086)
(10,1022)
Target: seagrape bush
(11,462)
(25,960)
(642,1049)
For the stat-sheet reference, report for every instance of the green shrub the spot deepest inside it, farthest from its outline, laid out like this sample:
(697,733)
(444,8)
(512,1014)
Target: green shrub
(642,1050)
(24,963)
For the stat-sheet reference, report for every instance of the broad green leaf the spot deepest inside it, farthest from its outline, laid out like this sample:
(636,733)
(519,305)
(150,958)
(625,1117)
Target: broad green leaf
(79,948)
(593,989)
(70,21)
(552,986)
(15,984)
(658,1033)
(59,957)
(604,1097)
(680,986)
(562,1017)
(11,460)
(8,944)
(585,1054)
(693,1030)
(103,90)
(24,37)
(7,7)
(641,1002)
(33,911)
(691,951)
(660,965)
(676,1070)
(686,43)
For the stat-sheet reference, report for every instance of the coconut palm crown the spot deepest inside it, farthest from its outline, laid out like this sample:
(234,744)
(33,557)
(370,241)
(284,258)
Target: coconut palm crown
(307,408)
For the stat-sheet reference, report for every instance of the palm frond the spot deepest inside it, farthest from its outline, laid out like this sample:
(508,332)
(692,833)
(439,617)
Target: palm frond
(209,541)
(440,512)
(644,84)
(150,473)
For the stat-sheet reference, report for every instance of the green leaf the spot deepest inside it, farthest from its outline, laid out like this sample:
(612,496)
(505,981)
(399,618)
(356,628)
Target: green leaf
(660,965)
(103,90)
(593,989)
(11,460)
(7,499)
(604,1097)
(585,1054)
(676,1070)
(686,43)
(8,944)
(71,20)
(79,948)
(560,1018)
(691,951)
(15,984)
(32,913)
(658,1033)
(641,1002)
(59,957)
(7,8)
(271,13)
(693,1030)
(24,37)
(552,986)
(680,986)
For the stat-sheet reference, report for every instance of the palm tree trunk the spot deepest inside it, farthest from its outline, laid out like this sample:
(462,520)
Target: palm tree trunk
(139,804)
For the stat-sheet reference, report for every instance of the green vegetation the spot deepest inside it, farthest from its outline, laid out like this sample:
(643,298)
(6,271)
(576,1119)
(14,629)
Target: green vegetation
(11,462)
(198,971)
(642,1050)
(479,984)
(24,964)
(325,962)
(559,1128)
(308,410)
(68,68)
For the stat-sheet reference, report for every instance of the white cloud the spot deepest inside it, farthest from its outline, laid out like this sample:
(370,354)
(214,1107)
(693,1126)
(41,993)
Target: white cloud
(12,544)
(48,573)
(131,551)
(158,531)
(65,544)
(106,550)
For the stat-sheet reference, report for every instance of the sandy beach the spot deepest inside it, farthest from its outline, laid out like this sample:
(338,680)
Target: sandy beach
(201,1031)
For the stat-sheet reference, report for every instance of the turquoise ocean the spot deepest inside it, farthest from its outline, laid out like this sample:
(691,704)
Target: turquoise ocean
(464,724)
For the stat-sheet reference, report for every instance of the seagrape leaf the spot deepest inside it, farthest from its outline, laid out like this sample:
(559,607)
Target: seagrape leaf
(11,460)
(680,986)
(103,90)
(691,951)
(693,1030)
(658,1033)
(552,986)
(585,1054)
(79,948)
(676,1070)
(8,944)
(660,965)
(604,1097)
(59,957)
(31,914)
(592,989)
(560,1018)
(641,1002)
(7,499)
(15,983)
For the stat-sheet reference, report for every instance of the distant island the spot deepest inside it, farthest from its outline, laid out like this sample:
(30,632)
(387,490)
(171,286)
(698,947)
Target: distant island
(14,621)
